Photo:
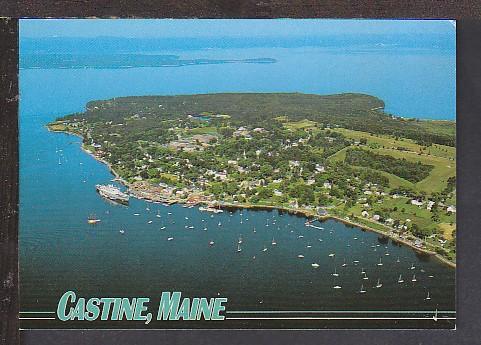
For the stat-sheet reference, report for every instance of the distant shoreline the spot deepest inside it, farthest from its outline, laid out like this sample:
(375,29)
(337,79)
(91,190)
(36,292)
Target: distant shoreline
(306,213)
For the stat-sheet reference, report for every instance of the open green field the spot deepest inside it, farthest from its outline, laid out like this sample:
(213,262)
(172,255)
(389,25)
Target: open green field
(393,143)
(303,124)
(441,157)
(437,179)
(203,130)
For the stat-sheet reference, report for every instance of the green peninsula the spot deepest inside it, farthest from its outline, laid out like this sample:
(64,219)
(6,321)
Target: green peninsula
(339,156)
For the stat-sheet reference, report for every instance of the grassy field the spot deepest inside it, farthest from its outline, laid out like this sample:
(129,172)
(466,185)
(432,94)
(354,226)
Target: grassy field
(437,179)
(57,126)
(441,157)
(303,124)
(203,130)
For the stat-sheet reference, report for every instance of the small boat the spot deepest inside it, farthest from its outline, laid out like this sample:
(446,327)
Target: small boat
(428,297)
(211,243)
(308,246)
(337,287)
(355,238)
(136,214)
(220,224)
(435,317)
(400,279)
(170,238)
(378,285)
(362,289)
(122,231)
(380,262)
(412,267)
(430,276)
(344,264)
(414,278)
(356,261)
(240,239)
(205,229)
(254,231)
(300,256)
(273,241)
(93,220)
(300,236)
(387,254)
(320,240)
(365,276)
(398,259)
(157,215)
(162,228)
(315,265)
(239,249)
(332,255)
(191,227)
(149,222)
(169,212)
(265,249)
(186,218)
(335,274)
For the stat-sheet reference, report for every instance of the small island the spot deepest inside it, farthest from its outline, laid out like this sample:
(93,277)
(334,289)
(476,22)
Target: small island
(339,156)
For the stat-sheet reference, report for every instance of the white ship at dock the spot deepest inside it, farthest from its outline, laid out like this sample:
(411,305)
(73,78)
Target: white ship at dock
(112,192)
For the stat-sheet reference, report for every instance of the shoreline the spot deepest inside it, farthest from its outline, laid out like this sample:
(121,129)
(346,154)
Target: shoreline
(305,213)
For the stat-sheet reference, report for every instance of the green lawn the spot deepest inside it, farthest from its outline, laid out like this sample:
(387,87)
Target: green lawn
(303,124)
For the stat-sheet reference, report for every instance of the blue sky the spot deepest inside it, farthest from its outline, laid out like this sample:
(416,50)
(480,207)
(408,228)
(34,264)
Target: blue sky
(153,28)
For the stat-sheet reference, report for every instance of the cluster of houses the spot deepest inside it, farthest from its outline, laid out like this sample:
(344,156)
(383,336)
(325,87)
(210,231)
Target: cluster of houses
(196,142)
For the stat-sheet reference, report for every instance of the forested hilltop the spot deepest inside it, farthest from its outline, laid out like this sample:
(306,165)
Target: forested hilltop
(352,111)
(339,155)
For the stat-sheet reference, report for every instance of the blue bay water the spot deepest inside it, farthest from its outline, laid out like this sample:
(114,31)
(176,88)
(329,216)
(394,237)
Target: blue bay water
(59,251)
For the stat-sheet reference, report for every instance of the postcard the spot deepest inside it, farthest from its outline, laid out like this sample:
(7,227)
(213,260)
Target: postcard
(237,174)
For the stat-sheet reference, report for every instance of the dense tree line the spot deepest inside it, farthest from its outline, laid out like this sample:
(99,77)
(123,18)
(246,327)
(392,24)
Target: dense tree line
(413,172)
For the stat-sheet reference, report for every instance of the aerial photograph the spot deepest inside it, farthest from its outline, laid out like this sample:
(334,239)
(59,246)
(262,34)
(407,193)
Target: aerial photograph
(304,170)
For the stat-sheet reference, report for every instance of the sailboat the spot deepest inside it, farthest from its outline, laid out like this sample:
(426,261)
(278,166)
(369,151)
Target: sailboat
(170,239)
(378,285)
(365,276)
(337,286)
(300,256)
(435,317)
(122,231)
(273,241)
(240,239)
(239,249)
(254,231)
(211,243)
(414,278)
(398,259)
(331,255)
(412,267)
(400,279)
(335,274)
(315,265)
(428,298)
(344,264)
(380,262)
(362,289)
(265,249)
